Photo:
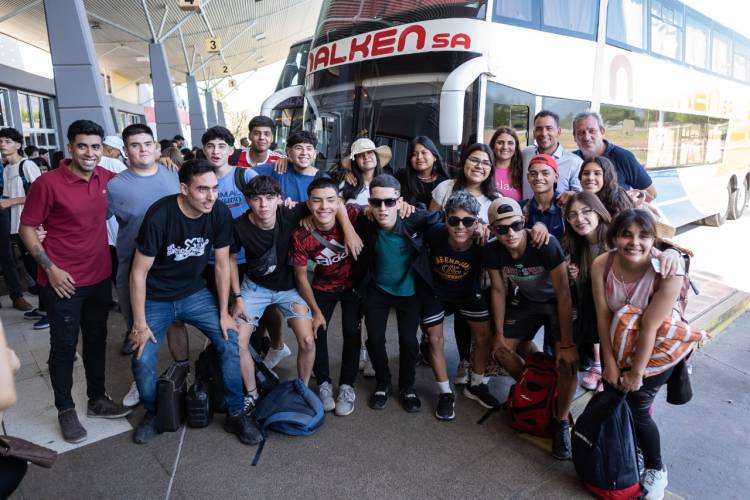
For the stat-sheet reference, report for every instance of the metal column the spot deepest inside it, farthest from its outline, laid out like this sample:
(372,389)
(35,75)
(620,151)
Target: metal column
(220,114)
(78,86)
(210,110)
(165,104)
(197,122)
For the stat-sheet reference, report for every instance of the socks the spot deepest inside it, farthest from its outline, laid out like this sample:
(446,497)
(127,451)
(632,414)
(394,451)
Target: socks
(597,367)
(444,387)
(477,378)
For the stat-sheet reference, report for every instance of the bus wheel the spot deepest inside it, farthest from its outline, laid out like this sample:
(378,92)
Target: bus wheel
(737,200)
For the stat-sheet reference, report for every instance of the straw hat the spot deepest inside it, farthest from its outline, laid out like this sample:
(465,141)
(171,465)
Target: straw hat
(362,146)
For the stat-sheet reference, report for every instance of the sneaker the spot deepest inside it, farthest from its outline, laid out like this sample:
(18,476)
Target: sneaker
(369,370)
(34,314)
(21,304)
(363,358)
(242,425)
(248,407)
(379,398)
(592,379)
(654,482)
(325,392)
(72,430)
(410,401)
(104,407)
(446,406)
(132,398)
(274,356)
(462,373)
(42,324)
(146,430)
(482,395)
(127,347)
(561,447)
(345,400)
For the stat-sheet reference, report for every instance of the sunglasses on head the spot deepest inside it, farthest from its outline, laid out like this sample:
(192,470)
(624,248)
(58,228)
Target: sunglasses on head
(502,229)
(377,202)
(454,221)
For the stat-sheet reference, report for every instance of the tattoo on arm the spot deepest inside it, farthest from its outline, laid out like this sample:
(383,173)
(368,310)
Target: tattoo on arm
(41,257)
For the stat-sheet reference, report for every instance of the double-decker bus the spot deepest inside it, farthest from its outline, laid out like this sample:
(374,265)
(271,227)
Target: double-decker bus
(672,85)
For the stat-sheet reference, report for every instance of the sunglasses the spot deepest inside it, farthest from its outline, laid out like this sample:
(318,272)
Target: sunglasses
(502,229)
(377,202)
(454,221)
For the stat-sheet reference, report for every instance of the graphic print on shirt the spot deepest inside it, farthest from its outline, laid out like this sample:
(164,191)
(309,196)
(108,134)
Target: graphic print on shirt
(521,273)
(194,247)
(450,269)
(328,257)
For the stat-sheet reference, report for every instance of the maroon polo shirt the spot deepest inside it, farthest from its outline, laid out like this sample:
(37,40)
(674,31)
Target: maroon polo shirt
(74,213)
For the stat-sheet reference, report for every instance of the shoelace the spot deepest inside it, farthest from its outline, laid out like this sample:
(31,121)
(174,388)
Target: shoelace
(348,394)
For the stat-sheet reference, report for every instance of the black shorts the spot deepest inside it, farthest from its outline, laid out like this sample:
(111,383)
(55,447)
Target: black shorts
(522,321)
(435,310)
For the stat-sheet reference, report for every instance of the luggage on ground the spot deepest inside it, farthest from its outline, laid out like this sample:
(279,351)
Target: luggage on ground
(198,405)
(170,397)
(531,401)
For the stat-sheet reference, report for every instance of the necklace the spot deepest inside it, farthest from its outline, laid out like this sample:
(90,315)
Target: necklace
(426,179)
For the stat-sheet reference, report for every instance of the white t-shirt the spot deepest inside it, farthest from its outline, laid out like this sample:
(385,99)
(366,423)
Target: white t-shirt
(443,191)
(13,187)
(116,166)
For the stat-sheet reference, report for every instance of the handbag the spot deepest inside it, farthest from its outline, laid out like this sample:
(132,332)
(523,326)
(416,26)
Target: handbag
(266,263)
(28,451)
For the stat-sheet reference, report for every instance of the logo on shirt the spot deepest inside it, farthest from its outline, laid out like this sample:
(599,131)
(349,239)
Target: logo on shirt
(520,273)
(328,257)
(194,247)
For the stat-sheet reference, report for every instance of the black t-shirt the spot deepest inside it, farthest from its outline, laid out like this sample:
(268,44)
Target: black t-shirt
(423,193)
(455,275)
(530,273)
(257,242)
(180,246)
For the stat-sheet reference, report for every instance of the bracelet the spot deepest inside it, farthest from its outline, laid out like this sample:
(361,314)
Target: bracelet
(237,295)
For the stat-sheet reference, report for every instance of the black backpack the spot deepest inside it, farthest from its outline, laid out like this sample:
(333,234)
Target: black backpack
(604,447)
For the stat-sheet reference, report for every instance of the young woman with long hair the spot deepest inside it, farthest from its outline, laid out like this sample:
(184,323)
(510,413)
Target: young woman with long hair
(423,171)
(599,176)
(508,163)
(366,161)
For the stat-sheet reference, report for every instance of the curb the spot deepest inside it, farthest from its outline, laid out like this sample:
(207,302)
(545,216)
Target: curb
(719,317)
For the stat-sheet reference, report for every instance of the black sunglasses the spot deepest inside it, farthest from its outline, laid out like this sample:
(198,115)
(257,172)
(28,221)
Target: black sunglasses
(454,221)
(377,202)
(502,229)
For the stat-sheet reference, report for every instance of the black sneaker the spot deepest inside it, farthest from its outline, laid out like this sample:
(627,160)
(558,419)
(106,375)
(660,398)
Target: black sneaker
(72,430)
(482,395)
(242,425)
(379,398)
(561,447)
(410,401)
(34,314)
(127,347)
(106,408)
(446,406)
(146,430)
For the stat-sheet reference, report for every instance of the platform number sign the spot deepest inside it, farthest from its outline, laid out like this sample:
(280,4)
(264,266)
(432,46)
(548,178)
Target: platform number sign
(190,5)
(225,69)
(213,45)
(232,83)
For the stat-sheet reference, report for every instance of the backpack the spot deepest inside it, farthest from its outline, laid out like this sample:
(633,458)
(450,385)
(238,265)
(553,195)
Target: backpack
(604,447)
(239,179)
(208,371)
(531,401)
(198,405)
(22,175)
(291,408)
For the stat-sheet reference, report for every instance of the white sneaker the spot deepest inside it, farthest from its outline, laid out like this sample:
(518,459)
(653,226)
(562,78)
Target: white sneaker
(132,398)
(654,482)
(363,358)
(325,391)
(274,356)
(345,401)
(369,370)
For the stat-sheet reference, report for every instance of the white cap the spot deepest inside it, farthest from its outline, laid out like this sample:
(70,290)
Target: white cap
(114,141)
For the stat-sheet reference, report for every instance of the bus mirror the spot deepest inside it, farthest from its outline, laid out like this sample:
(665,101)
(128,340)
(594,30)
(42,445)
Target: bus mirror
(278,97)
(452,99)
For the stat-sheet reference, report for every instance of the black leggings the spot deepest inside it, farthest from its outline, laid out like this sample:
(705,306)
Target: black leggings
(351,314)
(646,431)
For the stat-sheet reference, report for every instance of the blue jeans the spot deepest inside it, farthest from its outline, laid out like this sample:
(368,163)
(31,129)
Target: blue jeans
(199,310)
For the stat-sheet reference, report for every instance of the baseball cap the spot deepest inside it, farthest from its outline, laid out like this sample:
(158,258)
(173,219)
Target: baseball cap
(544,160)
(115,142)
(503,208)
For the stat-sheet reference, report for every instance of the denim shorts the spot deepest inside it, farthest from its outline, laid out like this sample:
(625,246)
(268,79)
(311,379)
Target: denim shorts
(257,298)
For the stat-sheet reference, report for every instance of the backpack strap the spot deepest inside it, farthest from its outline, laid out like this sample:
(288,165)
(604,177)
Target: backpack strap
(330,245)
(608,266)
(24,179)
(261,445)
(239,179)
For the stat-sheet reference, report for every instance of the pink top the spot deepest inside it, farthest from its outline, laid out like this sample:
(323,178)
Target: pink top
(637,293)
(502,180)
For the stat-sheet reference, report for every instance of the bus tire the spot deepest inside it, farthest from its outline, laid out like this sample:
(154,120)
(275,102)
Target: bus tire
(737,199)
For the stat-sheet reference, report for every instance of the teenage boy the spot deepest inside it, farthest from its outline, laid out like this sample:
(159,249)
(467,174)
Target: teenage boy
(265,233)
(130,194)
(74,271)
(332,283)
(393,261)
(300,171)
(177,234)
(456,264)
(543,215)
(261,137)
(18,174)
(540,274)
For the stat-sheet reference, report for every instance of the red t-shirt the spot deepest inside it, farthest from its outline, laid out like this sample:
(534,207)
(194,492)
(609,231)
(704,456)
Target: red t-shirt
(334,269)
(244,159)
(74,213)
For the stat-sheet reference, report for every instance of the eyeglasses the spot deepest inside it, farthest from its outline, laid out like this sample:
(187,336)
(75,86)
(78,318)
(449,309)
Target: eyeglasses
(454,221)
(573,216)
(502,229)
(476,162)
(377,202)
